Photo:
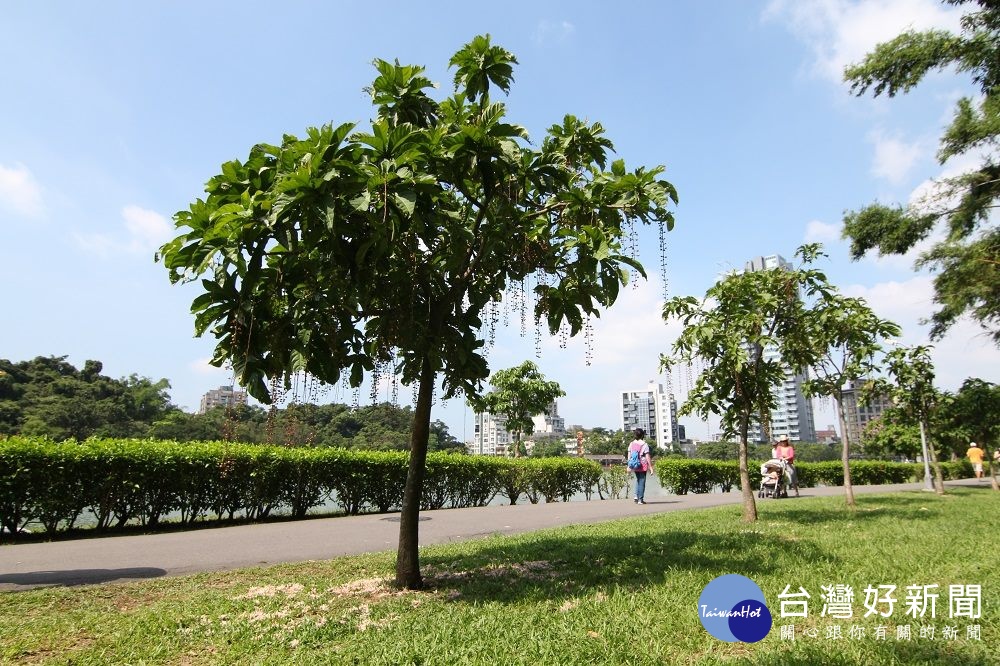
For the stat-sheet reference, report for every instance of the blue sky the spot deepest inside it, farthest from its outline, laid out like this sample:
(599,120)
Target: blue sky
(114,115)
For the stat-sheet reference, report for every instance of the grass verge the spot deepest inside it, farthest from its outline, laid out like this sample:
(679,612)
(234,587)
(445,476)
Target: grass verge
(614,593)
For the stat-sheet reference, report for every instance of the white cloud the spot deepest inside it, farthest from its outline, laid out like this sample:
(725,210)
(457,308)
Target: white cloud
(894,158)
(840,32)
(821,232)
(964,352)
(146,231)
(203,366)
(549,32)
(19,191)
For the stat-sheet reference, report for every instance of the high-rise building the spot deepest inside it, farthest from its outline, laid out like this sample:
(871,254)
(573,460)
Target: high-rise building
(492,438)
(857,415)
(224,396)
(654,411)
(794,414)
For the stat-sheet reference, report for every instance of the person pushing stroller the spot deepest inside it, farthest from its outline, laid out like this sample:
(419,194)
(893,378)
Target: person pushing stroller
(783,450)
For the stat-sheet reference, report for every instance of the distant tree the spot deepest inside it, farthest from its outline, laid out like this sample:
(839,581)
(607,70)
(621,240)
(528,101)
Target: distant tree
(812,452)
(848,336)
(971,416)
(443,440)
(718,450)
(49,397)
(600,441)
(548,448)
(728,332)
(913,394)
(966,261)
(183,427)
(519,394)
(891,435)
(365,252)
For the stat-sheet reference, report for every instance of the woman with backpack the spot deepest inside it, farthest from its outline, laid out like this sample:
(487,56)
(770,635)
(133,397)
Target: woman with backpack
(639,463)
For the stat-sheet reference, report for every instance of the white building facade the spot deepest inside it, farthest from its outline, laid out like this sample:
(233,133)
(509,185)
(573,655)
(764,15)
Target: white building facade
(492,438)
(858,415)
(654,411)
(224,396)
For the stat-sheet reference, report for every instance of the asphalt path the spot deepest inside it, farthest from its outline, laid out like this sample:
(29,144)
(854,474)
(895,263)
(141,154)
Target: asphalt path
(90,561)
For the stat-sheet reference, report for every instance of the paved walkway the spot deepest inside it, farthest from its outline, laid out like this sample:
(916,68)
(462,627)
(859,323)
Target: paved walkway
(122,558)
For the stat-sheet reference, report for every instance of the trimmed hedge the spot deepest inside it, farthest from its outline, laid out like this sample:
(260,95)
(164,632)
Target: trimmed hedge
(681,476)
(121,482)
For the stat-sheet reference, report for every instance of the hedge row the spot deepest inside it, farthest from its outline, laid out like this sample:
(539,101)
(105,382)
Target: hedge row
(681,476)
(120,482)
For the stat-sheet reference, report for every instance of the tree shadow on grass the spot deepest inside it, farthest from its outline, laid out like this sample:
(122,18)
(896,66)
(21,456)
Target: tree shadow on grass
(553,567)
(915,507)
(72,577)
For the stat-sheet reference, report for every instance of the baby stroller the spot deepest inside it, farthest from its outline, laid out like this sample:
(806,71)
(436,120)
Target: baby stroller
(774,479)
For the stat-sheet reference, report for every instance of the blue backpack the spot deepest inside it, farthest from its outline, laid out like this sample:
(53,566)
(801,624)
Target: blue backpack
(634,461)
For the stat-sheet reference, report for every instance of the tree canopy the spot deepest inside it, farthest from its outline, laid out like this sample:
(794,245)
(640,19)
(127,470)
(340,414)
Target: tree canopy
(914,397)
(967,259)
(849,336)
(48,396)
(519,394)
(378,251)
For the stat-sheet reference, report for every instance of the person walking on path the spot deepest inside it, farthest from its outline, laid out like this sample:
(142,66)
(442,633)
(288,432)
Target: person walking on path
(642,463)
(975,455)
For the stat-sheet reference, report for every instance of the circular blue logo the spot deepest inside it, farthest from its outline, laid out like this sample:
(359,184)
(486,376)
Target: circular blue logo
(732,609)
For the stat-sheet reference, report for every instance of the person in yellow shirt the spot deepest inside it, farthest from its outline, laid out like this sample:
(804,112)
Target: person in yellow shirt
(975,455)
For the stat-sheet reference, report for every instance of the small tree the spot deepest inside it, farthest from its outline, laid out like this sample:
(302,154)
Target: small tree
(742,316)
(891,435)
(914,394)
(379,252)
(847,334)
(518,395)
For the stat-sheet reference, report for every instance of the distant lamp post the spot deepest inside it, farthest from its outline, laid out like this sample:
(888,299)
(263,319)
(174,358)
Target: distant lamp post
(928,484)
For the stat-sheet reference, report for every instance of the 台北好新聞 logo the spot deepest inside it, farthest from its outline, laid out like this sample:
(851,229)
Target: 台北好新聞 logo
(732,609)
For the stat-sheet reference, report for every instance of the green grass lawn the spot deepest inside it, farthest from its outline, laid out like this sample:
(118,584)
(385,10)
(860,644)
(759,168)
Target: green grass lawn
(616,593)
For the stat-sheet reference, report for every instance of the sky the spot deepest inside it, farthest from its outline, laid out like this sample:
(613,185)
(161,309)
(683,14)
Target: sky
(115,114)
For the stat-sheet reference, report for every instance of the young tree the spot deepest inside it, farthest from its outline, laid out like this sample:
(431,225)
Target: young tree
(742,316)
(971,415)
(913,393)
(370,252)
(518,395)
(967,260)
(848,335)
(891,435)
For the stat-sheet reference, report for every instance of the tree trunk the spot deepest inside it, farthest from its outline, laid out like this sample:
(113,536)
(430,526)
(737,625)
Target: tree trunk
(407,555)
(993,475)
(749,505)
(845,457)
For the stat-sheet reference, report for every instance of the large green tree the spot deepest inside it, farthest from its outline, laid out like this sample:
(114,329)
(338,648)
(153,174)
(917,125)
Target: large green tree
(741,317)
(967,259)
(848,335)
(519,394)
(378,250)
